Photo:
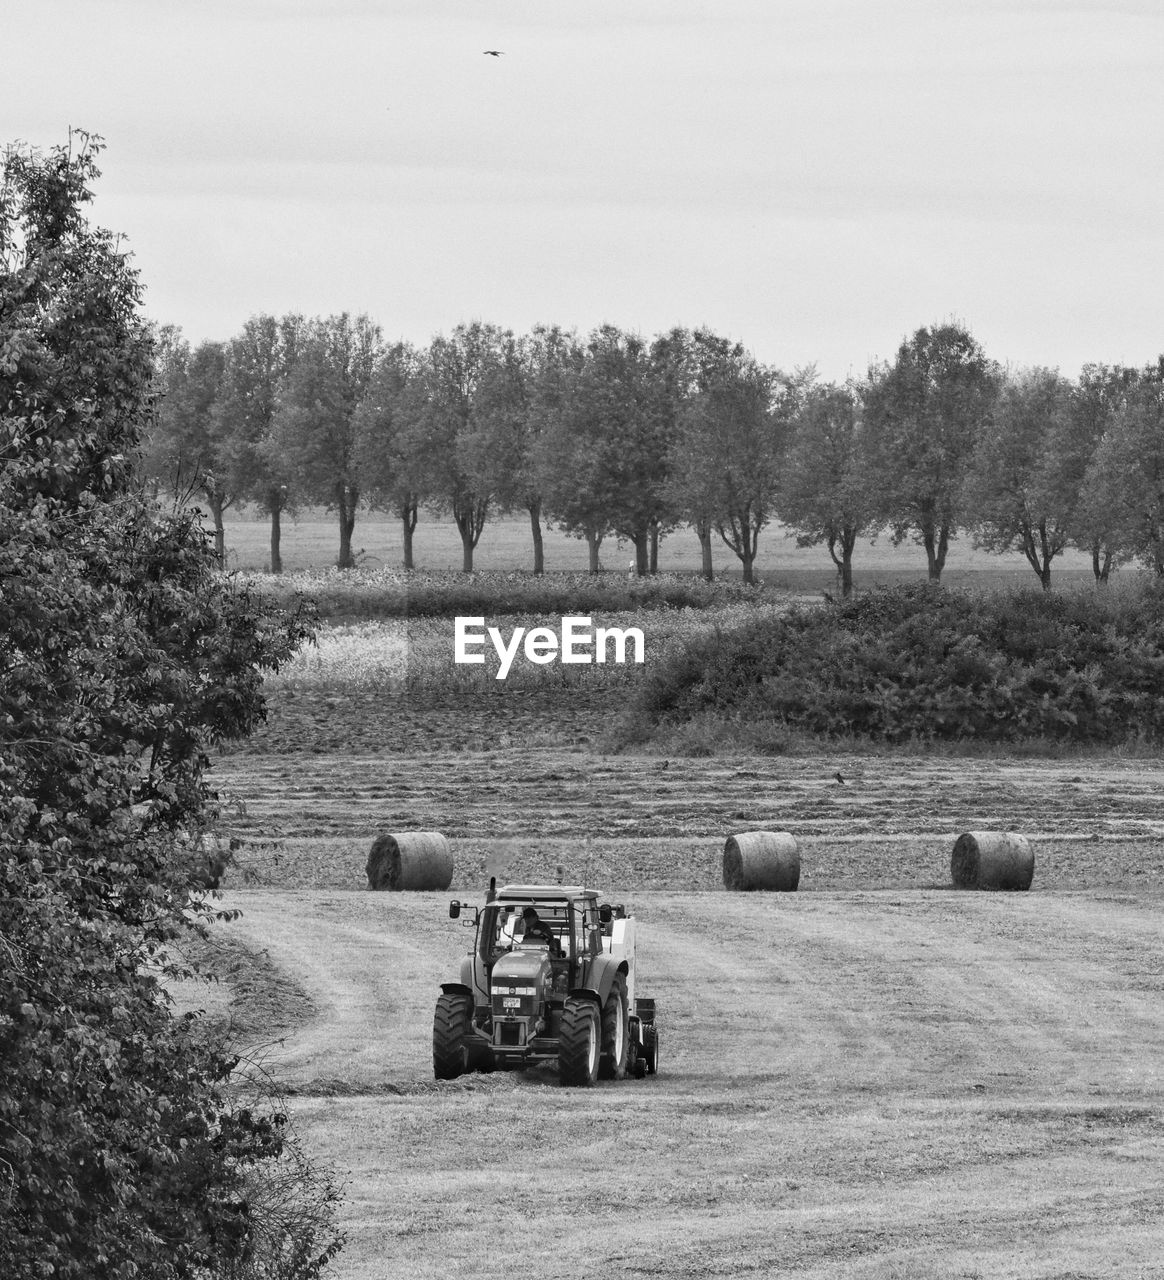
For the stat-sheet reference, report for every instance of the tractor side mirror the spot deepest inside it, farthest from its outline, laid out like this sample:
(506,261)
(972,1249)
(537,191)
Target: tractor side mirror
(604,913)
(454,910)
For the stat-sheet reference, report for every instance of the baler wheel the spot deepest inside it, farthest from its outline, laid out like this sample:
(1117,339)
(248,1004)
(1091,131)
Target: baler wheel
(651,1048)
(615,1039)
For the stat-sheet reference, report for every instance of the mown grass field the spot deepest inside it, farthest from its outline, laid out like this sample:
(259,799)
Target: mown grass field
(852,1083)
(874,1077)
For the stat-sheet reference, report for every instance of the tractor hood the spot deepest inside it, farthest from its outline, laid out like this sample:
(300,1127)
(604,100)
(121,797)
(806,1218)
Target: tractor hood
(522,967)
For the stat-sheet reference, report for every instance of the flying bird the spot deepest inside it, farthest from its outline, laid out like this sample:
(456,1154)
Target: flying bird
(494,53)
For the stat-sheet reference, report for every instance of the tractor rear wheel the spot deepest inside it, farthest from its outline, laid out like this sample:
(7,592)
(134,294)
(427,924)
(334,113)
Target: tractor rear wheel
(615,1041)
(450,1031)
(579,1042)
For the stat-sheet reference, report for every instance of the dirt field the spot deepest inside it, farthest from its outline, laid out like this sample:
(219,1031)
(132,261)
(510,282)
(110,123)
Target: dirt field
(873,1077)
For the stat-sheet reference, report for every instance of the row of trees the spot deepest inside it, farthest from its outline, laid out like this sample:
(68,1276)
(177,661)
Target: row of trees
(612,434)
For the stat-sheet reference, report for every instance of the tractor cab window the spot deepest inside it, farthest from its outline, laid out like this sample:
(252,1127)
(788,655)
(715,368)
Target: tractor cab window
(507,926)
(585,924)
(545,927)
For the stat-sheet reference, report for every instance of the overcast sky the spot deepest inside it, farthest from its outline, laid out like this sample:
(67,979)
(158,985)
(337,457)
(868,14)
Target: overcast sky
(816,179)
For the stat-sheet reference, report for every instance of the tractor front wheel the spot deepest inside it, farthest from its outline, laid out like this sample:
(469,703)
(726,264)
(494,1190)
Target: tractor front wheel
(579,1042)
(615,1041)
(450,1031)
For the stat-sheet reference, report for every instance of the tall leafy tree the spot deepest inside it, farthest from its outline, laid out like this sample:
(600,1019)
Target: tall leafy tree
(923,414)
(1126,477)
(392,471)
(732,434)
(1020,490)
(568,453)
(603,452)
(1098,527)
(258,360)
(823,491)
(440,429)
(314,430)
(185,448)
(623,388)
(124,657)
(689,363)
(504,427)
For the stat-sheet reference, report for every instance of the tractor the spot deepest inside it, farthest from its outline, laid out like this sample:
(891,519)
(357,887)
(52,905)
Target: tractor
(550,979)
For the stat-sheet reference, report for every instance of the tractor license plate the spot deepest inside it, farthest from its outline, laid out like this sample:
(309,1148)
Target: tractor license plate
(511,1002)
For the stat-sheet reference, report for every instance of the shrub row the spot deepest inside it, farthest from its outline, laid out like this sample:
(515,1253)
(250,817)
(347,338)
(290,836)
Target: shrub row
(925,662)
(388,593)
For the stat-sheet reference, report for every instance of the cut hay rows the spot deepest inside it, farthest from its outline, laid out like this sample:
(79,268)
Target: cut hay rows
(761,860)
(405,860)
(992,860)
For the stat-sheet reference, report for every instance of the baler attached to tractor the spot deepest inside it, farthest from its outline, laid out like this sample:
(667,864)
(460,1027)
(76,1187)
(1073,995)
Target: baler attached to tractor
(551,978)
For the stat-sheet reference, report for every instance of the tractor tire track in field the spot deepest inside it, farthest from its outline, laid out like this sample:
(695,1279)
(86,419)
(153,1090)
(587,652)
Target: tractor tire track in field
(971,987)
(849,1082)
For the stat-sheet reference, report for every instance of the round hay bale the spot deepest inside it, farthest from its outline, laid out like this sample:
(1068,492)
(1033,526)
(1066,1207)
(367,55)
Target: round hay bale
(410,860)
(761,860)
(992,860)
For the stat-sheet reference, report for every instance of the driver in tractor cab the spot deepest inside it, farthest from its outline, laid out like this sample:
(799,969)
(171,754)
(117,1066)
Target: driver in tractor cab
(536,930)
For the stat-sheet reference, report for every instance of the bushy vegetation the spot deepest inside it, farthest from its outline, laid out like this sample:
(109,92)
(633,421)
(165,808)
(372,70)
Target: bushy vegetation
(126,1148)
(927,663)
(388,593)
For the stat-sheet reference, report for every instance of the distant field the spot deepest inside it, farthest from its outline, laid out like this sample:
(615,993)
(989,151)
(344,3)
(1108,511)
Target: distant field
(312,541)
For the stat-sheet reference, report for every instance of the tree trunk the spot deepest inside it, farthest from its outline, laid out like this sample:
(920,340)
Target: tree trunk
(593,542)
(703,532)
(642,554)
(535,521)
(217,505)
(743,538)
(275,501)
(936,548)
(654,548)
(464,528)
(844,561)
(408,515)
(346,498)
(469,515)
(932,569)
(1039,554)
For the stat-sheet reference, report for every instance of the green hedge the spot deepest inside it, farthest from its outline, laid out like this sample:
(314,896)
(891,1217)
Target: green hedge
(925,662)
(365,594)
